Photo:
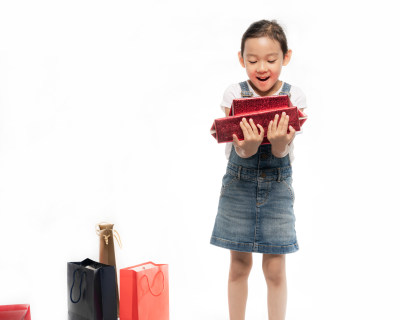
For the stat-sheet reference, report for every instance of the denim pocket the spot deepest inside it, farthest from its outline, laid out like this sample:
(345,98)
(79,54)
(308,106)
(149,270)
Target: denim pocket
(227,181)
(288,182)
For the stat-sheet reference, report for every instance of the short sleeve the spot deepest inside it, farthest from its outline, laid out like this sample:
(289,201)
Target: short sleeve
(299,98)
(228,97)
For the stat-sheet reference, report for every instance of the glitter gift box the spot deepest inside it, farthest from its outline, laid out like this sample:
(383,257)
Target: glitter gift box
(262,110)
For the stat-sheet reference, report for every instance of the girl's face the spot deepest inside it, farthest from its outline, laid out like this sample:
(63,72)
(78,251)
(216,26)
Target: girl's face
(263,59)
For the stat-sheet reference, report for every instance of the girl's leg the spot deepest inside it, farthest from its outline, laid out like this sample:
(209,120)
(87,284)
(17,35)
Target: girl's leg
(275,274)
(240,267)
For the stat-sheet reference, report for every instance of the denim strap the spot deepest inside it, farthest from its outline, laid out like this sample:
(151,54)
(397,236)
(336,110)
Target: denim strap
(246,93)
(285,89)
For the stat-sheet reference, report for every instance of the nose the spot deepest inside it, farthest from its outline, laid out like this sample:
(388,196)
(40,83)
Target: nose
(262,67)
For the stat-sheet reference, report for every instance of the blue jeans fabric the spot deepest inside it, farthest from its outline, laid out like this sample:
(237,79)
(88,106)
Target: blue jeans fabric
(255,211)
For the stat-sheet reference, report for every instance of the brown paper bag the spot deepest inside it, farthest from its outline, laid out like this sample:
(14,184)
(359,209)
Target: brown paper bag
(107,252)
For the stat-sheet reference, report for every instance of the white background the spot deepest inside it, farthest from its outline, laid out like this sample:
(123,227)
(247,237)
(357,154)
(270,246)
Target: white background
(105,111)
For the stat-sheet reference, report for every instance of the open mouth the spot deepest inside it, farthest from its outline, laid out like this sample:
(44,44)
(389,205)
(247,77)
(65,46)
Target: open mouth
(263,79)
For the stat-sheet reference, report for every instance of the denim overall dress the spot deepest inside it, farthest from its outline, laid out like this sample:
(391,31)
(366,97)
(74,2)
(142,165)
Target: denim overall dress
(255,210)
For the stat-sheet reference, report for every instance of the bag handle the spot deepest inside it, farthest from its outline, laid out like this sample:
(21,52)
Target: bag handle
(148,283)
(80,286)
(118,239)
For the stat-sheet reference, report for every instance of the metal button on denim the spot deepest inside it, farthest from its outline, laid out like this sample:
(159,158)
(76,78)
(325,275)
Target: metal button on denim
(263,174)
(264,156)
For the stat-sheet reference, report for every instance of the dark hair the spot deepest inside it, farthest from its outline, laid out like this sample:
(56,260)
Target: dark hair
(265,28)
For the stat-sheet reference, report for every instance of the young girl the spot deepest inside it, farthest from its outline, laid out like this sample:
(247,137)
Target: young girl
(255,211)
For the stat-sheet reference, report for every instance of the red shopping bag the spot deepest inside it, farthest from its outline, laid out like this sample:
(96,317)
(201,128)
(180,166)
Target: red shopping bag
(15,312)
(144,292)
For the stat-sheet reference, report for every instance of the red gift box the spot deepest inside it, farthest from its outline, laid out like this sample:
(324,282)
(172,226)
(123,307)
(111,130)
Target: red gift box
(257,104)
(144,292)
(262,110)
(15,312)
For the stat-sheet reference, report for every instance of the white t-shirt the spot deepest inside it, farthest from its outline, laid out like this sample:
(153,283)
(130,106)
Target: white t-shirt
(297,98)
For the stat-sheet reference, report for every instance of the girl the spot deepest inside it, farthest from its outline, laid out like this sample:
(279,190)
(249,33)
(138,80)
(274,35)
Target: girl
(255,211)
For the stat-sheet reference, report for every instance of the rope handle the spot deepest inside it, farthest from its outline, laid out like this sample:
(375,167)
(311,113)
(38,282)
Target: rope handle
(106,236)
(118,239)
(80,286)
(148,283)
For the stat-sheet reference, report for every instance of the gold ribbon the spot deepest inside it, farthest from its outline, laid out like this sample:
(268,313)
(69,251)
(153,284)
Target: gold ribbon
(106,236)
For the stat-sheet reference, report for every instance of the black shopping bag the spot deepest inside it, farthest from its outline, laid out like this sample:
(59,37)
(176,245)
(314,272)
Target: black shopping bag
(91,291)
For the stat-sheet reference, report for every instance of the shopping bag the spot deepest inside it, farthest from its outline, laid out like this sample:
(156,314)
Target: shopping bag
(15,312)
(144,292)
(91,291)
(107,234)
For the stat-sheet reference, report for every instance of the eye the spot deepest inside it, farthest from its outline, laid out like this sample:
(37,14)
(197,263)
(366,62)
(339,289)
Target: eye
(252,62)
(271,61)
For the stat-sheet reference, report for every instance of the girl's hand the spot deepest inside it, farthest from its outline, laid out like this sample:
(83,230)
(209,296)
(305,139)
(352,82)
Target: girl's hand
(252,139)
(278,136)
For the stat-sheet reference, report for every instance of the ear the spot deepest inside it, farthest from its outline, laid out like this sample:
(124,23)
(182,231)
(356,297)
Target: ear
(241,60)
(287,57)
